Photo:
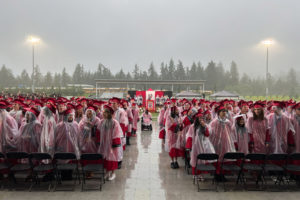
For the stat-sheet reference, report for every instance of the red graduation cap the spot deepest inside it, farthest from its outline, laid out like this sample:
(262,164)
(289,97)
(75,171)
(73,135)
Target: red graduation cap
(173,100)
(33,110)
(78,107)
(109,108)
(279,104)
(51,107)
(206,112)
(199,113)
(67,112)
(2,105)
(219,108)
(258,105)
(91,107)
(18,101)
(184,112)
(115,100)
(296,106)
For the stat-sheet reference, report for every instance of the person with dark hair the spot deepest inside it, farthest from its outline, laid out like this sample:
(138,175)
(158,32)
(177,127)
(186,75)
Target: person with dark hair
(136,118)
(49,126)
(162,122)
(296,123)
(110,134)
(8,130)
(220,132)
(129,116)
(30,132)
(258,130)
(146,120)
(88,131)
(66,134)
(198,140)
(281,130)
(240,134)
(173,129)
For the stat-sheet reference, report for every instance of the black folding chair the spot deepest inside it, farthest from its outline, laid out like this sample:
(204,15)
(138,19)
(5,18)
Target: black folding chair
(65,162)
(92,168)
(4,168)
(275,166)
(42,165)
(231,165)
(206,158)
(293,168)
(187,159)
(20,164)
(254,164)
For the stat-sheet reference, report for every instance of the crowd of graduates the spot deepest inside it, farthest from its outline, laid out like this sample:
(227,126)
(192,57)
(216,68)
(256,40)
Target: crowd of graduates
(80,125)
(76,125)
(202,126)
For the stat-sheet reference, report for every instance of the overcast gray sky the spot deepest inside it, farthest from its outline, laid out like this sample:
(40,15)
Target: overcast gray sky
(122,33)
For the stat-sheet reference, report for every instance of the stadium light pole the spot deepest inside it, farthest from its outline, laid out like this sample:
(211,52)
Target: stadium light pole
(34,41)
(267,43)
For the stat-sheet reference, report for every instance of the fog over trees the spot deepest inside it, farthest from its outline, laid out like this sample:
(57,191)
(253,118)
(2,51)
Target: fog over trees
(217,78)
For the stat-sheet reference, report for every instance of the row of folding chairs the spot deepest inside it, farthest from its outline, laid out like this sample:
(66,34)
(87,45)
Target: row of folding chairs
(282,168)
(37,165)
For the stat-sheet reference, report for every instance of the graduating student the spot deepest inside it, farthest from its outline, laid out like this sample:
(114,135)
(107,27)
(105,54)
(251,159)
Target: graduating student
(136,118)
(88,132)
(281,130)
(66,134)
(296,123)
(220,132)
(110,134)
(258,130)
(128,112)
(198,140)
(162,122)
(173,129)
(47,140)
(30,132)
(9,132)
(241,134)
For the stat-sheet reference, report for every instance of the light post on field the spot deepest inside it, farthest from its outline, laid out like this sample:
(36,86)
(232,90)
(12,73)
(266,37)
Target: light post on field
(34,41)
(267,43)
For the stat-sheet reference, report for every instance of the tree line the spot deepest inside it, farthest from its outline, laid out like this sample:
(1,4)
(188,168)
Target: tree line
(216,76)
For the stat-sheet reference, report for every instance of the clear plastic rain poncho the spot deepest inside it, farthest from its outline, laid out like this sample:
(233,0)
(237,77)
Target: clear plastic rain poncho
(30,133)
(9,132)
(66,136)
(200,142)
(241,135)
(221,137)
(174,142)
(281,131)
(135,114)
(120,116)
(47,134)
(87,133)
(296,123)
(259,130)
(110,134)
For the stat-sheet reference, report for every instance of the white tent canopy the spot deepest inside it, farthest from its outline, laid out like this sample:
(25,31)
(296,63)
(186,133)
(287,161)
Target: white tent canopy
(188,95)
(224,95)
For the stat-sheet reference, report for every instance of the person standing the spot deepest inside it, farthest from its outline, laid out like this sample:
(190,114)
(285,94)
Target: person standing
(110,134)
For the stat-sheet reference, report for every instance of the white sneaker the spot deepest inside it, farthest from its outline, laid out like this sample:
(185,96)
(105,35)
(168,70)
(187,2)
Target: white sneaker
(112,177)
(106,176)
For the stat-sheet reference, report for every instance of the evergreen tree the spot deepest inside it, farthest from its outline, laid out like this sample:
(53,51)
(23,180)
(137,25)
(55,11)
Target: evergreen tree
(211,75)
(65,78)
(171,70)
(48,80)
(234,74)
(152,74)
